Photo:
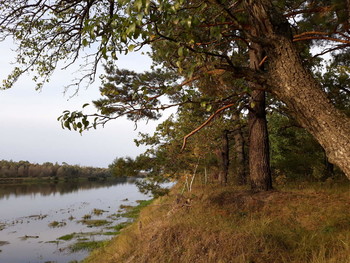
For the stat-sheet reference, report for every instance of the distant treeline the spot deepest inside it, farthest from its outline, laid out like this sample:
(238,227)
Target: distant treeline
(25,169)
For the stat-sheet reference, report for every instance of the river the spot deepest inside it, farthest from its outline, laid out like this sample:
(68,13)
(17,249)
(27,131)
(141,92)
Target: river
(34,216)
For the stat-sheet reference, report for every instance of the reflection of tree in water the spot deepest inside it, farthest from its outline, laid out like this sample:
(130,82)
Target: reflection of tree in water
(48,188)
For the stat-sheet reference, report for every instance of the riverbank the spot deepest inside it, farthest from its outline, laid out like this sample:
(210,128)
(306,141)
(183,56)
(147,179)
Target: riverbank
(303,223)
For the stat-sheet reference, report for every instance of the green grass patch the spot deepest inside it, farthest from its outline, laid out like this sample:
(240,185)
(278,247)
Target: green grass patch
(98,212)
(114,216)
(95,223)
(134,211)
(120,226)
(53,242)
(57,224)
(83,239)
(86,217)
(86,235)
(67,237)
(86,245)
(125,206)
(115,230)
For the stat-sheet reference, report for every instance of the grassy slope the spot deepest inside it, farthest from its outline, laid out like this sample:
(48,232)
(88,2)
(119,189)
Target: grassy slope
(230,224)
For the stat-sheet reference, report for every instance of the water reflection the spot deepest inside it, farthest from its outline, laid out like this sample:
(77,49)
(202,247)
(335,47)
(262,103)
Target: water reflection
(60,187)
(27,210)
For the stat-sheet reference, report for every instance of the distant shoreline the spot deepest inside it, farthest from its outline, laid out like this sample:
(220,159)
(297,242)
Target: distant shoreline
(10,170)
(51,179)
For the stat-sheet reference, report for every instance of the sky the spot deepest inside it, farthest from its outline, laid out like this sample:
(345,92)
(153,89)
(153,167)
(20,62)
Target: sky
(29,129)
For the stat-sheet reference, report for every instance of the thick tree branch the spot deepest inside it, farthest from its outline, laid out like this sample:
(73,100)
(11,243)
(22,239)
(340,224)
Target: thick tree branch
(315,35)
(322,38)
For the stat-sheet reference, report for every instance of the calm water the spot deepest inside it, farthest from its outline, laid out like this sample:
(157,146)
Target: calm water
(27,210)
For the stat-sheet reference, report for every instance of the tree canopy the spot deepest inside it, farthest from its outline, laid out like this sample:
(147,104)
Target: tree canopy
(196,39)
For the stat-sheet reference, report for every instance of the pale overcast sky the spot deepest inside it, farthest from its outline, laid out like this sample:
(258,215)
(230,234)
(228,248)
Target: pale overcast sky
(29,129)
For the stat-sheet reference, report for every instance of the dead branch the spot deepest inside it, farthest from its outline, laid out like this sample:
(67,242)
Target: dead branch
(313,35)
(262,61)
(311,10)
(204,124)
(322,38)
(213,72)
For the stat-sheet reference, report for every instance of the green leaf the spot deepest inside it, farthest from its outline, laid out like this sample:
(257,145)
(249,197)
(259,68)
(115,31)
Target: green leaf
(85,42)
(189,22)
(131,48)
(178,64)
(180,51)
(138,5)
(66,124)
(86,104)
(140,17)
(147,6)
(131,29)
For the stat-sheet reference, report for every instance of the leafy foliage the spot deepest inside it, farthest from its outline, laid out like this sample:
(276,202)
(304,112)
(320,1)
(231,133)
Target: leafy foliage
(152,185)
(295,154)
(200,49)
(123,167)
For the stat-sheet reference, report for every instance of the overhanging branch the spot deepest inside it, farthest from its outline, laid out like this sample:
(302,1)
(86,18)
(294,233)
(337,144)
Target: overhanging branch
(204,124)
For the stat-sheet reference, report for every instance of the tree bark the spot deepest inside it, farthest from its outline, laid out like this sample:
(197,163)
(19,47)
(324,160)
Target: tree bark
(241,173)
(222,154)
(348,8)
(240,158)
(259,157)
(293,84)
(259,151)
(225,156)
(329,169)
(310,105)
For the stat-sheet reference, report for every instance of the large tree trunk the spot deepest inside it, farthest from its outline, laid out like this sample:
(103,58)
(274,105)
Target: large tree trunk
(293,84)
(296,87)
(259,157)
(259,151)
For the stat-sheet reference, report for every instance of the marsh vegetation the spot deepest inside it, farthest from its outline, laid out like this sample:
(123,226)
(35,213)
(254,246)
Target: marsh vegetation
(60,227)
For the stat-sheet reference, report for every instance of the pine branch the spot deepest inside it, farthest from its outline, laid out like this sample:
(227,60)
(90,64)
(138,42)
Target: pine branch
(204,124)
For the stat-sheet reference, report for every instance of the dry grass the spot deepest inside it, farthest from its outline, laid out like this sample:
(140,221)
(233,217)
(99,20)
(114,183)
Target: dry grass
(230,224)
